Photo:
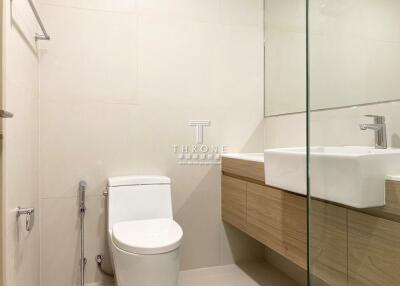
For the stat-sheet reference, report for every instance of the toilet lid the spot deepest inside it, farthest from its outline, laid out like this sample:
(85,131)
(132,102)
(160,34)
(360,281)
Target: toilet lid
(153,236)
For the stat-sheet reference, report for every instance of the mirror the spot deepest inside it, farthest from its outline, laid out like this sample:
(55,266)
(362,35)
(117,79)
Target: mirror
(354,54)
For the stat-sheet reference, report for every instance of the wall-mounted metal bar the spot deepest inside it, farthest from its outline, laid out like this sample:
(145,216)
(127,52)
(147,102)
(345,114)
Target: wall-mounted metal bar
(38,37)
(5,114)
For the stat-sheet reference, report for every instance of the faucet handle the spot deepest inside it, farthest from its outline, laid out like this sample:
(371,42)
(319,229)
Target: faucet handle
(378,119)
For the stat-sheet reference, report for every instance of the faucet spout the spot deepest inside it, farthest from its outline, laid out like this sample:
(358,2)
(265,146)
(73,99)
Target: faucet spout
(379,126)
(374,127)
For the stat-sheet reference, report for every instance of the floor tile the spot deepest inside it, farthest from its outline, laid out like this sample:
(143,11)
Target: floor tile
(256,274)
(260,274)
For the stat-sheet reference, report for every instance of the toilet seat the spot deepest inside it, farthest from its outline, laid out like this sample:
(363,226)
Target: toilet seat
(152,236)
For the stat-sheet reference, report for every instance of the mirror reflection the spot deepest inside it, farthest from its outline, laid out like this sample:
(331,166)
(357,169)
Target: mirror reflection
(354,54)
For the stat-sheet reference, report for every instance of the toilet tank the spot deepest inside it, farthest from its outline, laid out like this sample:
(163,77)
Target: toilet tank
(138,198)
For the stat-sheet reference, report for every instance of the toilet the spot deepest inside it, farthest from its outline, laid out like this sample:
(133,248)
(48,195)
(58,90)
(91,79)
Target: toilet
(143,237)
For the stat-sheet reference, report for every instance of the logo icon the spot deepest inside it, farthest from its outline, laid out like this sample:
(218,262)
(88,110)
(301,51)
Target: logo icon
(199,124)
(199,153)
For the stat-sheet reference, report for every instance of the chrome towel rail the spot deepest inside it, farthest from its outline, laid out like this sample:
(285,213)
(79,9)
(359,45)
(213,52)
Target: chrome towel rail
(38,37)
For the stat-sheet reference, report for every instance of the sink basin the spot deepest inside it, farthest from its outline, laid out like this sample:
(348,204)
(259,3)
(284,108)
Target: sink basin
(352,176)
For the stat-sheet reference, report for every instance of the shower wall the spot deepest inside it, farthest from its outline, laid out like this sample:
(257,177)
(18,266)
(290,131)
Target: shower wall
(20,145)
(119,82)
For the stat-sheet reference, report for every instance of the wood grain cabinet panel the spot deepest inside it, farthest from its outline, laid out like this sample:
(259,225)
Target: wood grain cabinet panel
(391,209)
(278,220)
(243,168)
(374,251)
(348,247)
(329,243)
(234,201)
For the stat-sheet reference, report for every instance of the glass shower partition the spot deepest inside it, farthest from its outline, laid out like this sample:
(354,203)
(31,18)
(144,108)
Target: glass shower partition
(353,132)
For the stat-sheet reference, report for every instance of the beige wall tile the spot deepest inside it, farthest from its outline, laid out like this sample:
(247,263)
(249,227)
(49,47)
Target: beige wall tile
(192,10)
(60,240)
(117,92)
(122,6)
(20,146)
(95,55)
(241,12)
(238,247)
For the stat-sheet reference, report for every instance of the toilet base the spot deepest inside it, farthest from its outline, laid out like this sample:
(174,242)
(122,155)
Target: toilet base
(145,270)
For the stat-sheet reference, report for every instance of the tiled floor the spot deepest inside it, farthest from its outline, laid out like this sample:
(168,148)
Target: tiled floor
(260,274)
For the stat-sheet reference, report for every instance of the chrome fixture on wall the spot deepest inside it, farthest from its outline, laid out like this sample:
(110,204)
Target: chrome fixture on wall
(6,114)
(100,257)
(82,211)
(44,35)
(29,218)
(379,126)
(38,37)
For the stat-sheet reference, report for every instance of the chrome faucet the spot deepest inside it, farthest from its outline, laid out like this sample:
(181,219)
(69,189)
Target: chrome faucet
(379,127)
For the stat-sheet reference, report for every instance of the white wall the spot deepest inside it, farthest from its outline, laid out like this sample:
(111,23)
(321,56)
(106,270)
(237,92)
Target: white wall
(21,145)
(119,82)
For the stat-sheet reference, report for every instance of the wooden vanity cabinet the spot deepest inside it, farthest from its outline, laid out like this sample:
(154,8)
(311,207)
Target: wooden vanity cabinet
(278,219)
(373,250)
(234,201)
(349,247)
(328,243)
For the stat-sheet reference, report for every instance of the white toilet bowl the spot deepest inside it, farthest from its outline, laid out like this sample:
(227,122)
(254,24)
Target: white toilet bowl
(143,237)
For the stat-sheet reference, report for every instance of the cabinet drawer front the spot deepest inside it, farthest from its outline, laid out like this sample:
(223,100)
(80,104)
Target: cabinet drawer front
(234,201)
(329,243)
(243,168)
(374,250)
(279,220)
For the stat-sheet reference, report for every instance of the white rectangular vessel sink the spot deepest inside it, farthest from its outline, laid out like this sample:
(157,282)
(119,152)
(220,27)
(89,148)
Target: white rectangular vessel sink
(352,176)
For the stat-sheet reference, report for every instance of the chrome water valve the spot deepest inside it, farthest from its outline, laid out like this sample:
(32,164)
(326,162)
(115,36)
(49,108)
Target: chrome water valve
(28,212)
